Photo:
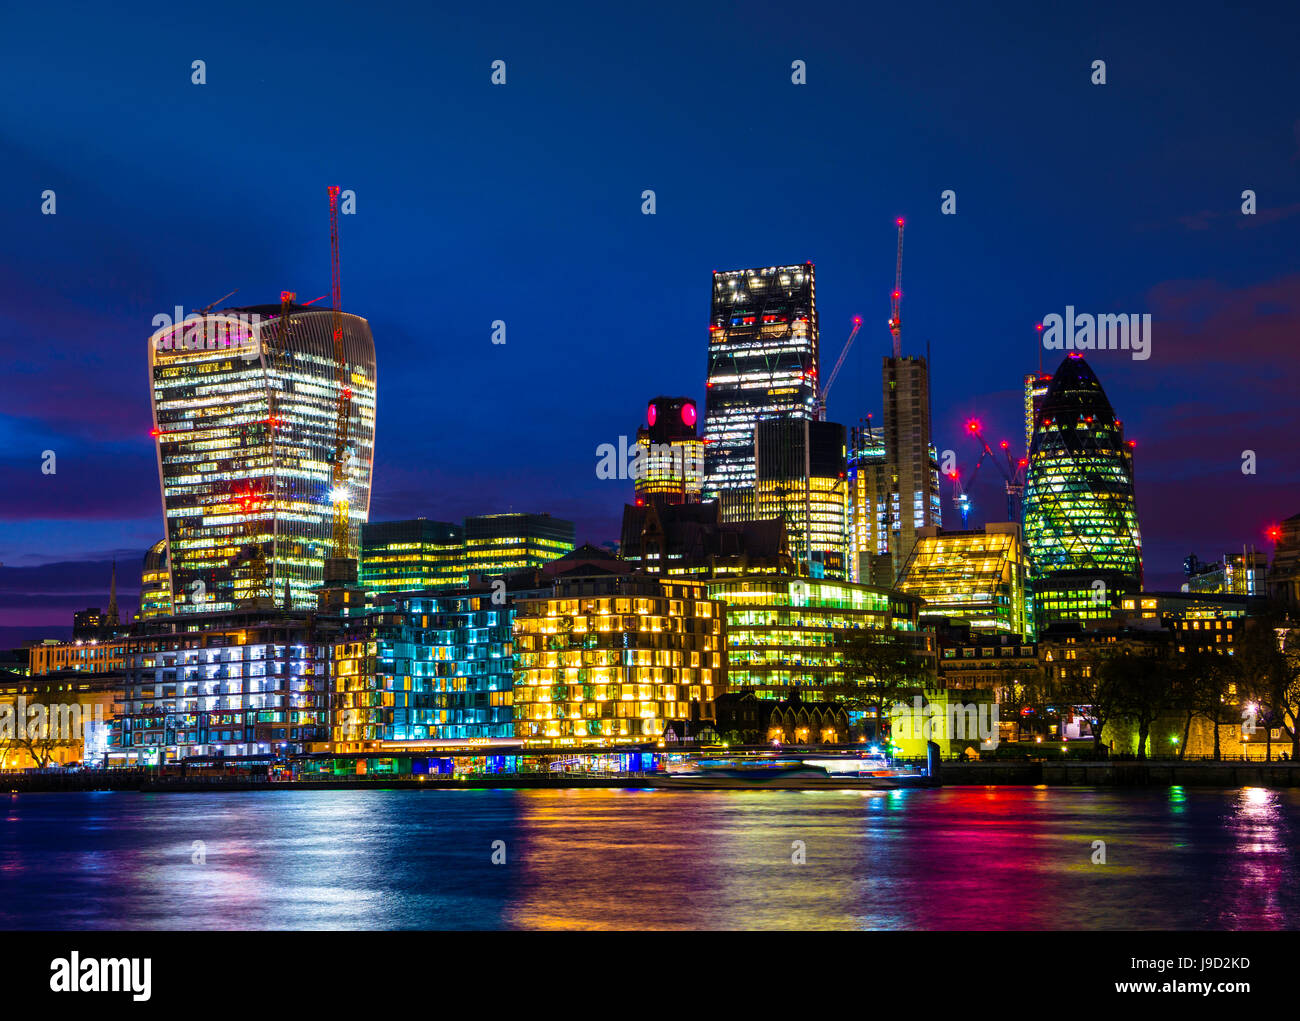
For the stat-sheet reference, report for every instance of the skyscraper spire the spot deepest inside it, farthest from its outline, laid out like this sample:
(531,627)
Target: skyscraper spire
(111,619)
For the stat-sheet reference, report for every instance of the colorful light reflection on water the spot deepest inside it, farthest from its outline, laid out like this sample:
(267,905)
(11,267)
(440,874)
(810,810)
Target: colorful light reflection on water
(957,858)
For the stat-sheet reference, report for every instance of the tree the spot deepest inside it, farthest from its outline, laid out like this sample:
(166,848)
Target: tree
(1025,687)
(1267,657)
(881,667)
(1142,686)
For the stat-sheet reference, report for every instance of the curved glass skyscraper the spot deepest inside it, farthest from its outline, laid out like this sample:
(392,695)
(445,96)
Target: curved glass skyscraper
(244,405)
(1081,527)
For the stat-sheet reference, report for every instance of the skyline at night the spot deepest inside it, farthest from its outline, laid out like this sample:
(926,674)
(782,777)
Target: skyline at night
(1122,198)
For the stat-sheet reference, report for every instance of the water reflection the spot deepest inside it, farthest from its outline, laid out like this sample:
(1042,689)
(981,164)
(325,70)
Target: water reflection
(957,858)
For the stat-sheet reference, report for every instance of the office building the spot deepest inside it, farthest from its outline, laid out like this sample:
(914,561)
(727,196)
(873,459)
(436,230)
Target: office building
(977,576)
(1284,572)
(763,363)
(411,556)
(1036,386)
(155,583)
(683,539)
(786,635)
(1080,517)
(801,479)
(612,656)
(869,507)
(244,411)
(670,453)
(498,544)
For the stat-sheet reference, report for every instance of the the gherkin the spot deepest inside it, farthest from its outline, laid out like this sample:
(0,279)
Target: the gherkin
(1080,517)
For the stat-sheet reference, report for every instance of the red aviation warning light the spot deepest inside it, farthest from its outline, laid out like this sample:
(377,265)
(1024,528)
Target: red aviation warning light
(1273,532)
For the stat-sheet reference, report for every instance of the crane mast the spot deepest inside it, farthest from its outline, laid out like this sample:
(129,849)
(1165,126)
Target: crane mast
(339,477)
(895,319)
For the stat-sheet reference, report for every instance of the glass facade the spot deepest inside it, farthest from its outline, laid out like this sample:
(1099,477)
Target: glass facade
(408,556)
(497,544)
(611,660)
(1080,516)
(784,634)
(763,363)
(432,668)
(801,479)
(244,405)
(978,576)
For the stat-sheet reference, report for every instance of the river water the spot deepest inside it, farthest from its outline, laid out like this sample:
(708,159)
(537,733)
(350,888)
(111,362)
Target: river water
(956,858)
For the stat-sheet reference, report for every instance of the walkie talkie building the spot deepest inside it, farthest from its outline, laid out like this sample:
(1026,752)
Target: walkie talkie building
(244,411)
(763,363)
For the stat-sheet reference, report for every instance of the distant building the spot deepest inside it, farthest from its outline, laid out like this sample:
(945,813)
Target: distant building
(1243,574)
(67,714)
(691,539)
(1080,517)
(977,575)
(499,544)
(670,453)
(1036,387)
(244,408)
(407,556)
(911,469)
(611,656)
(870,486)
(801,479)
(1284,574)
(763,363)
(155,583)
(79,656)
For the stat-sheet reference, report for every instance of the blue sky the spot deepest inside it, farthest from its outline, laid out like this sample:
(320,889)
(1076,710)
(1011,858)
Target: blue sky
(522,203)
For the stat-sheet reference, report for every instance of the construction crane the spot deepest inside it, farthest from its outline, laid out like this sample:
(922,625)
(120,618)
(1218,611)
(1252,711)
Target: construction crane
(895,318)
(339,479)
(839,362)
(1013,474)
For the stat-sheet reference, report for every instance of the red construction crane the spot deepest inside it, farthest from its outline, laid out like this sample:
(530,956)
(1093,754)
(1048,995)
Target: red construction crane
(339,477)
(839,362)
(895,319)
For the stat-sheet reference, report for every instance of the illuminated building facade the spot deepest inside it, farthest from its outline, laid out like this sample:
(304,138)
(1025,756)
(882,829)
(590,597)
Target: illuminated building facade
(1080,516)
(613,658)
(497,544)
(93,656)
(407,556)
(869,508)
(236,686)
(1036,386)
(801,479)
(911,468)
(670,453)
(784,634)
(1284,571)
(1241,574)
(155,583)
(763,363)
(431,667)
(978,576)
(73,721)
(244,406)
